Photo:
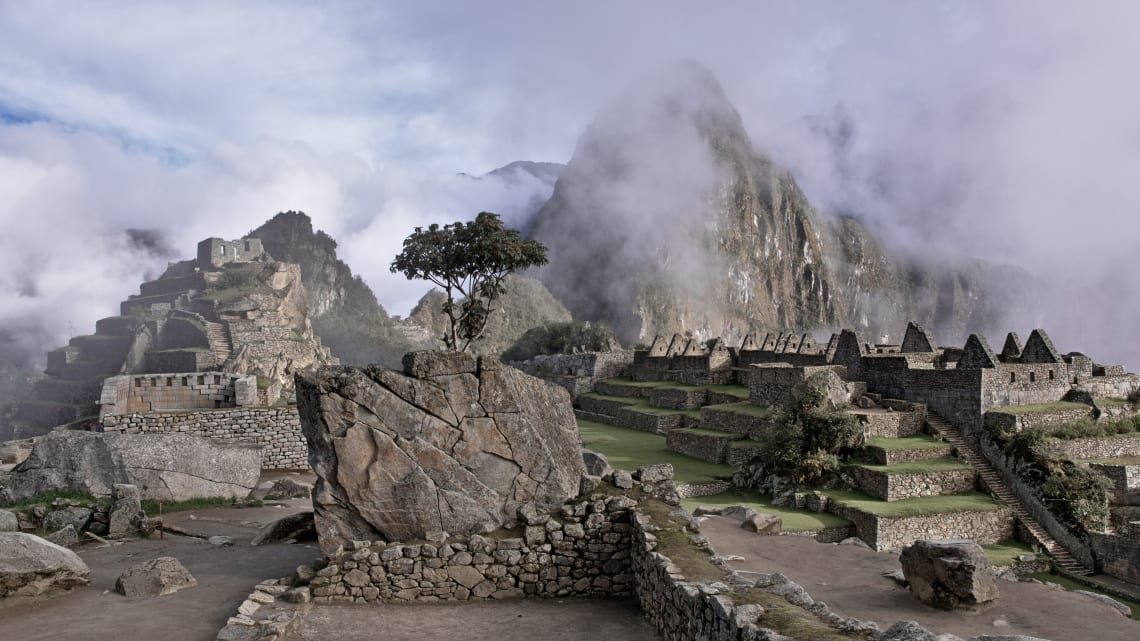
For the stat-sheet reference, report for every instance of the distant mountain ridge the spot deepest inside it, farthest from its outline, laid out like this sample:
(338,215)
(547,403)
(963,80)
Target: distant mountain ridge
(668,218)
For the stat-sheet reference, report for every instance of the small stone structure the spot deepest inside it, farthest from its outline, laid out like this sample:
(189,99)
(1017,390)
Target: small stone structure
(217,252)
(179,391)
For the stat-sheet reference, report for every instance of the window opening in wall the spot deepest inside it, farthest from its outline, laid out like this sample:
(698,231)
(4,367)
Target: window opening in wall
(1013,377)
(1051,377)
(138,382)
(1074,380)
(222,250)
(154,382)
(1032,377)
(217,380)
(201,380)
(170,381)
(186,381)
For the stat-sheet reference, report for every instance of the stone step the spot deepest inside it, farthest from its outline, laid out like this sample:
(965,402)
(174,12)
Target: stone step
(998,488)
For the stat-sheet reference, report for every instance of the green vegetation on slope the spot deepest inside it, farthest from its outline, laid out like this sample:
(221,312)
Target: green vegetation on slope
(942,464)
(629,449)
(1042,408)
(914,442)
(1006,552)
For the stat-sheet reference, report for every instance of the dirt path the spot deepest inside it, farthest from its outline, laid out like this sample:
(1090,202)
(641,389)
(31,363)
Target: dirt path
(516,620)
(849,579)
(225,577)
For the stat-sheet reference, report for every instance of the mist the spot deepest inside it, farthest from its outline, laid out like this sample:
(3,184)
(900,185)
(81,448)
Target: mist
(1000,131)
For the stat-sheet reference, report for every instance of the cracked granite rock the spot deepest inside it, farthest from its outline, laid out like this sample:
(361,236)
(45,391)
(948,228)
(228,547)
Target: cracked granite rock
(168,467)
(453,444)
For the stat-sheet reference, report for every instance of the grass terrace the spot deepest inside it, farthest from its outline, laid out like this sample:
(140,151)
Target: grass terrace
(739,391)
(1006,552)
(921,506)
(630,449)
(762,411)
(1043,408)
(794,519)
(914,442)
(946,463)
(642,405)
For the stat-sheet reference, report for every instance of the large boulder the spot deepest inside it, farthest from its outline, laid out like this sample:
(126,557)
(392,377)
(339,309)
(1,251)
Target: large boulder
(453,444)
(30,566)
(169,467)
(157,577)
(948,573)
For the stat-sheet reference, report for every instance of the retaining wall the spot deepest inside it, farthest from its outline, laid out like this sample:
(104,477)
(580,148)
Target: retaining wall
(1103,447)
(276,429)
(899,486)
(893,533)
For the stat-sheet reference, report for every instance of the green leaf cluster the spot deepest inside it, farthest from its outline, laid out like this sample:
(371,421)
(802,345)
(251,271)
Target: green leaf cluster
(469,261)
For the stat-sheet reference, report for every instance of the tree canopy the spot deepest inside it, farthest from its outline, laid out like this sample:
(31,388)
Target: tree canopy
(469,261)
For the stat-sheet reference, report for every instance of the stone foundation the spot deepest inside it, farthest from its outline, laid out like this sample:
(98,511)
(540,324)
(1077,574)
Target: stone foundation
(1104,447)
(883,456)
(702,444)
(893,533)
(897,486)
(723,419)
(276,429)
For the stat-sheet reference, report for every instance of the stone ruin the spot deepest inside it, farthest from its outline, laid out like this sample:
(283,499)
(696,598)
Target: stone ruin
(452,445)
(232,310)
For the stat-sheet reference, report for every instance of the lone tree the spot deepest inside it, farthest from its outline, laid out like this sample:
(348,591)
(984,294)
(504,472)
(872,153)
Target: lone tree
(468,260)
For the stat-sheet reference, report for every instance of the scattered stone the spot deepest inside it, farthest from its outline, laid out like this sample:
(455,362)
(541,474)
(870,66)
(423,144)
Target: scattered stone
(289,489)
(856,541)
(9,522)
(76,517)
(655,473)
(126,515)
(436,536)
(763,524)
(897,576)
(588,484)
(30,566)
(1107,600)
(596,463)
(157,577)
(738,512)
(905,631)
(65,536)
(623,480)
(948,573)
(297,527)
(220,541)
(707,510)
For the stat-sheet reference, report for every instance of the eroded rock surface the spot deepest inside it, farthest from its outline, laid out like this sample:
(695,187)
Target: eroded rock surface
(948,573)
(30,566)
(453,444)
(169,467)
(157,577)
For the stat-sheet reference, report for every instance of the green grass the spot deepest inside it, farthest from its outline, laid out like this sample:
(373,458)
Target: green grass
(794,519)
(1006,552)
(673,541)
(630,449)
(1070,585)
(714,433)
(1043,408)
(1111,402)
(642,405)
(915,442)
(921,506)
(629,383)
(761,411)
(942,464)
(739,391)
(151,506)
(46,499)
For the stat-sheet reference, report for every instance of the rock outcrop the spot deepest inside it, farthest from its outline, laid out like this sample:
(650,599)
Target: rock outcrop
(452,444)
(948,573)
(30,566)
(168,467)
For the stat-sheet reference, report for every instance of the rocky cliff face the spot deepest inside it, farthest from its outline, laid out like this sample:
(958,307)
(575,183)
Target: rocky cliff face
(451,444)
(667,218)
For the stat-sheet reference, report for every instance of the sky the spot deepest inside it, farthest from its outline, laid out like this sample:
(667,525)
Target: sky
(1005,130)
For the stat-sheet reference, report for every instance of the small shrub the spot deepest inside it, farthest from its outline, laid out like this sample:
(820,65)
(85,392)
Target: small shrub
(817,466)
(1078,497)
(1134,397)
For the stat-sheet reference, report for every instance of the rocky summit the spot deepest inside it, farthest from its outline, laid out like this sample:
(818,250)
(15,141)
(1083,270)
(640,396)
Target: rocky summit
(453,444)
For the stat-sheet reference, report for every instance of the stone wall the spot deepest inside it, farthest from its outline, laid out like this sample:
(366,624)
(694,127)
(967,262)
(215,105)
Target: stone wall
(678,398)
(899,486)
(176,391)
(179,360)
(1117,556)
(883,456)
(893,533)
(215,252)
(1125,481)
(1032,503)
(583,551)
(276,429)
(725,420)
(889,423)
(1102,447)
(955,394)
(577,373)
(700,444)
(998,420)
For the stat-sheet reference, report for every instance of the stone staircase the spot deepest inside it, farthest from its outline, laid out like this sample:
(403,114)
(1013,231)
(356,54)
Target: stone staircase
(993,480)
(219,337)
